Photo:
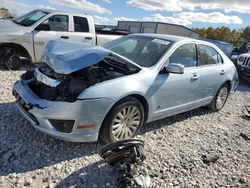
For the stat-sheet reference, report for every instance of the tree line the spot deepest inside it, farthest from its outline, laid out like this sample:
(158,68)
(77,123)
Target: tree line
(225,34)
(5,13)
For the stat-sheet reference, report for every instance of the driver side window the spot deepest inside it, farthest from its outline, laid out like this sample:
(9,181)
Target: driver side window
(184,55)
(56,23)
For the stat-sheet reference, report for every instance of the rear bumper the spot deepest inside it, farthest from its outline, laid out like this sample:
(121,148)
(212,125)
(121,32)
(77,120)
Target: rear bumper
(83,112)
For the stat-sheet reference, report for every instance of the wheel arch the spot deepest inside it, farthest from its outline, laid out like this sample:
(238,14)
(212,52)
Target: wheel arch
(139,97)
(21,49)
(144,103)
(228,82)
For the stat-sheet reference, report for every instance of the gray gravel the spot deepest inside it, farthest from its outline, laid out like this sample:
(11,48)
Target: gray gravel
(194,149)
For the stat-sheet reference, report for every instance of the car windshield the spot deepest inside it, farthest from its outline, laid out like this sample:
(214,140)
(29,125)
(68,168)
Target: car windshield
(143,50)
(30,18)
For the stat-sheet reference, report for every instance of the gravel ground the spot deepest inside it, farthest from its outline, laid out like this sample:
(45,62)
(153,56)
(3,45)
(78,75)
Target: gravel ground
(194,149)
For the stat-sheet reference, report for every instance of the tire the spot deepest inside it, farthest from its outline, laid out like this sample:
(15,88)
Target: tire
(1,57)
(123,121)
(220,98)
(12,61)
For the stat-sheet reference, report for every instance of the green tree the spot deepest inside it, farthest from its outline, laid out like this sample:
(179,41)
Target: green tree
(5,13)
(221,33)
(246,34)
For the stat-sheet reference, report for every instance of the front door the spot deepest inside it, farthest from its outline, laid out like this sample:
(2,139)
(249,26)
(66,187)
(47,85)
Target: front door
(175,93)
(55,27)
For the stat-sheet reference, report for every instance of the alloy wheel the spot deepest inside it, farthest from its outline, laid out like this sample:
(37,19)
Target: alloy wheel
(126,122)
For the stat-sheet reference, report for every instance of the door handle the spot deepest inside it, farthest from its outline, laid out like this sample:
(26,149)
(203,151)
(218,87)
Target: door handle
(195,76)
(222,72)
(88,38)
(64,37)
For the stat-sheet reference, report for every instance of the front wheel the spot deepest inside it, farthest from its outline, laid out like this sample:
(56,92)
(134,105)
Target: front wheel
(12,61)
(123,121)
(220,98)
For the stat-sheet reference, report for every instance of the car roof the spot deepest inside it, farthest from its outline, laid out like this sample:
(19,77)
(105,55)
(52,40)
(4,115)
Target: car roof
(172,38)
(61,12)
(214,41)
(47,10)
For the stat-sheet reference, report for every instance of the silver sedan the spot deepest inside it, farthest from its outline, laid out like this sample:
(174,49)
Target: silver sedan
(81,92)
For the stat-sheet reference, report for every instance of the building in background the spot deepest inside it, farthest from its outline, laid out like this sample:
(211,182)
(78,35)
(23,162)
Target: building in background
(156,27)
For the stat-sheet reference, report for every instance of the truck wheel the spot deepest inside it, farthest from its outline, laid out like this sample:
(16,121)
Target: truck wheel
(123,121)
(220,98)
(1,57)
(12,61)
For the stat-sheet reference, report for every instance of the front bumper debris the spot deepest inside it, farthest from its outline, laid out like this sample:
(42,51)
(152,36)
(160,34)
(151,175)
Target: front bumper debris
(42,114)
(123,155)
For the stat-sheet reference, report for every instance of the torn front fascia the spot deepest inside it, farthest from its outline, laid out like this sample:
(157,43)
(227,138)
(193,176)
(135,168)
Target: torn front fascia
(26,106)
(123,156)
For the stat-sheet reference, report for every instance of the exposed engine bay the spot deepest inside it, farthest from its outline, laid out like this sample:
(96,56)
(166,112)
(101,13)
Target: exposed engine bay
(49,85)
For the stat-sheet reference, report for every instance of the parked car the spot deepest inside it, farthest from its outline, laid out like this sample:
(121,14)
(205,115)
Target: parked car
(26,37)
(243,66)
(243,49)
(81,92)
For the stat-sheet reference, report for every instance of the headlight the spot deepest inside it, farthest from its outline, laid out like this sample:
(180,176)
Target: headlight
(234,57)
(241,58)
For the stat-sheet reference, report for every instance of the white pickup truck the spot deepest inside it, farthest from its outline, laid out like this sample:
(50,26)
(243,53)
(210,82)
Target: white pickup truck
(26,37)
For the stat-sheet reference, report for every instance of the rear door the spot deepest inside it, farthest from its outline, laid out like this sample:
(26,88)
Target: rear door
(213,72)
(55,27)
(82,30)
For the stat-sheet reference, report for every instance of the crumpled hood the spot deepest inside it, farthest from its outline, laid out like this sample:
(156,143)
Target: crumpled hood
(65,57)
(8,27)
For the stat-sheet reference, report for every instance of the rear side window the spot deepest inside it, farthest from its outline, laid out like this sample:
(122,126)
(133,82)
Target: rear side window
(81,24)
(209,56)
(184,55)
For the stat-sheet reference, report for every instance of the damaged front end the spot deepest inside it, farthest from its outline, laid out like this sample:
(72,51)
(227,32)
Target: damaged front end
(48,96)
(64,75)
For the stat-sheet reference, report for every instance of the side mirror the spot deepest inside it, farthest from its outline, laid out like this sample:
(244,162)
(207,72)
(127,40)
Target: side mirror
(234,57)
(174,68)
(42,27)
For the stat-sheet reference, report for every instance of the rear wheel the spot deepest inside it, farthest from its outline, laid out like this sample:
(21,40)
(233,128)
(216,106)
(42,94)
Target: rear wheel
(123,121)
(220,98)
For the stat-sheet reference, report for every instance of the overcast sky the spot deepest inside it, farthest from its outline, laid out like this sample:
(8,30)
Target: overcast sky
(191,13)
